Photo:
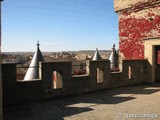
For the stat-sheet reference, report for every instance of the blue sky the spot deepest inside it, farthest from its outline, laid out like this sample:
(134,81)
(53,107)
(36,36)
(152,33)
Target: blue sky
(59,25)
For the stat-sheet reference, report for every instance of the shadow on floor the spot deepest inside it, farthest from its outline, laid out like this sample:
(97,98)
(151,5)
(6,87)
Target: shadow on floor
(57,109)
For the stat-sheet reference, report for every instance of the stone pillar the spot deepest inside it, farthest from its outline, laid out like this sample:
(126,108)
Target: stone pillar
(1,111)
(9,83)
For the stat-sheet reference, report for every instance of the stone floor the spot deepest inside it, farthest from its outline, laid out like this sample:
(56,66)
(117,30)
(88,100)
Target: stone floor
(131,103)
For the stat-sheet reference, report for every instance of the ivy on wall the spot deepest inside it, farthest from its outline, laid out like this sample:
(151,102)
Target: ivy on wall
(132,28)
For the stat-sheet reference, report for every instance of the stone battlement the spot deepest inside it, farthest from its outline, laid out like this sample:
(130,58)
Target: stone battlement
(98,77)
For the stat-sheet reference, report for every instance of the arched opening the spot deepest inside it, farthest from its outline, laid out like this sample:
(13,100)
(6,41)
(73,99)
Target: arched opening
(57,80)
(129,72)
(100,75)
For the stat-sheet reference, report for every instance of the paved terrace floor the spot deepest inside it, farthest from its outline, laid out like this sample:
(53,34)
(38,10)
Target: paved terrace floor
(142,102)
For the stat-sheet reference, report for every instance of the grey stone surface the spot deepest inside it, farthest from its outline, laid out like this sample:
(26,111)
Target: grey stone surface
(1,112)
(99,77)
(33,70)
(101,105)
(96,56)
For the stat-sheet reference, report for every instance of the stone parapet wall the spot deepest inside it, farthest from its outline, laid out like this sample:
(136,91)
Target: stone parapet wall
(9,89)
(98,77)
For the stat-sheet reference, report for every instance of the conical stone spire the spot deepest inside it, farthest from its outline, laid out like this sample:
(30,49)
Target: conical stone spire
(113,58)
(96,55)
(33,70)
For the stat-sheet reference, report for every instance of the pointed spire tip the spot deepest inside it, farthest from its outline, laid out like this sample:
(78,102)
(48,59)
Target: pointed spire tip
(38,43)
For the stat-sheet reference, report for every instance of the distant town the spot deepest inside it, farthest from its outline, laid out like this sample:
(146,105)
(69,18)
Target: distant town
(24,58)
(78,58)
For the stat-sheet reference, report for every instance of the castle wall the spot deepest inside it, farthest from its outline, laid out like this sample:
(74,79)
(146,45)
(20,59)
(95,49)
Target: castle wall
(150,54)
(28,90)
(138,19)
(120,5)
(1,110)
(9,83)
(99,77)
(47,71)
